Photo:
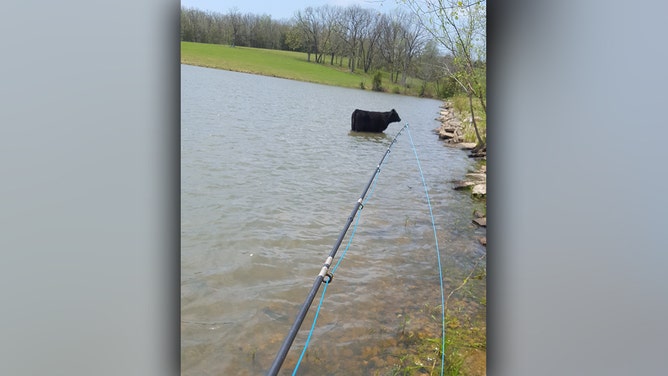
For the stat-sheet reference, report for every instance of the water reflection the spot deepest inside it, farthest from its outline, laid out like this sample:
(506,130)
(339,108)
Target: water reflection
(379,138)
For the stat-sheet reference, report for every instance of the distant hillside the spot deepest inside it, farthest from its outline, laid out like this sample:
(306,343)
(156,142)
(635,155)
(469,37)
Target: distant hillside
(283,64)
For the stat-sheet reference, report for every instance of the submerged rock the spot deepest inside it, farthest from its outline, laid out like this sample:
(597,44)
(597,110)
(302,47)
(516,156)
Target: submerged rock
(482,222)
(461,185)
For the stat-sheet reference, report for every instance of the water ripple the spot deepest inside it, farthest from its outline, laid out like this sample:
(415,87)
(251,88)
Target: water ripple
(270,172)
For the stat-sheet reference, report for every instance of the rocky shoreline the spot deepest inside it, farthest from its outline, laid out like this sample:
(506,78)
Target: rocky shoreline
(451,131)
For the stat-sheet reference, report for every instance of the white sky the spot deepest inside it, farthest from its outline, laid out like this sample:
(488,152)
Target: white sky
(281,9)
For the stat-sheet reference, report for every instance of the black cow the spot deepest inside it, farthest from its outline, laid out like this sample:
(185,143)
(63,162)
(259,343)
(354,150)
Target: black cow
(371,121)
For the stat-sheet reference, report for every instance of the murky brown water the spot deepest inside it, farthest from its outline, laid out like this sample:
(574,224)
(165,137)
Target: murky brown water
(270,173)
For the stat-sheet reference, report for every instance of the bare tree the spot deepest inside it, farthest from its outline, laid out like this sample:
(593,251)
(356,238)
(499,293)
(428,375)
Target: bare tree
(370,42)
(235,22)
(414,40)
(391,46)
(353,22)
(310,26)
(187,24)
(195,25)
(331,41)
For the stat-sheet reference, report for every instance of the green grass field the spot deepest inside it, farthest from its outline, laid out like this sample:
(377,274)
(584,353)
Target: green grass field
(283,64)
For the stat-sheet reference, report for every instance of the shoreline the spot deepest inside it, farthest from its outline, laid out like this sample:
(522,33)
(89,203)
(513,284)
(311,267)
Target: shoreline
(450,131)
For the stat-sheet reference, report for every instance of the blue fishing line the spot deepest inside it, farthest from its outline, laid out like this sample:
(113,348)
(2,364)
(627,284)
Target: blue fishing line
(343,254)
(438,252)
(308,339)
(357,221)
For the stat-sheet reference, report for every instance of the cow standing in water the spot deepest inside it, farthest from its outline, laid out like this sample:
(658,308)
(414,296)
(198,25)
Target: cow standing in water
(371,121)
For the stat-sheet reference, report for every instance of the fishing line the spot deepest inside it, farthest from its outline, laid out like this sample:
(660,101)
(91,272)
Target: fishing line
(438,252)
(310,333)
(326,275)
(343,254)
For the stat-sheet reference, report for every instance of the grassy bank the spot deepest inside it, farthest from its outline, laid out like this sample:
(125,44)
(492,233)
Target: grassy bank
(286,64)
(461,104)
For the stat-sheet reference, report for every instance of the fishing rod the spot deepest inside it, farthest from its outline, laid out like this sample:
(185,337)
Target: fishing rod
(325,276)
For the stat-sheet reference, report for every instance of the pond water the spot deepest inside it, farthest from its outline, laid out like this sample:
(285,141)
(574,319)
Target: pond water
(270,173)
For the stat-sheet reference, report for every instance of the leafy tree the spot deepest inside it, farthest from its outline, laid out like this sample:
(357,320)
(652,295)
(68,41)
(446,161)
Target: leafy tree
(430,68)
(294,39)
(460,27)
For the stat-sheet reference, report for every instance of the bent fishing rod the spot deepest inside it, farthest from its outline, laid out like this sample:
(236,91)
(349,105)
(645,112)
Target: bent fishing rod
(325,276)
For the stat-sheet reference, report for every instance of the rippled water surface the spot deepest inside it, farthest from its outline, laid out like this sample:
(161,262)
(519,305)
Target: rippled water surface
(269,175)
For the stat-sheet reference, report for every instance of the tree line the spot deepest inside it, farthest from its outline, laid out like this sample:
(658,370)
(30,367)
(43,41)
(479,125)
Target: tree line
(233,28)
(355,37)
(437,41)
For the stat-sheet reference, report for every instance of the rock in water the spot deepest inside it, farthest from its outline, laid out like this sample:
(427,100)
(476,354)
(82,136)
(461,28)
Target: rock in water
(482,222)
(459,185)
(479,190)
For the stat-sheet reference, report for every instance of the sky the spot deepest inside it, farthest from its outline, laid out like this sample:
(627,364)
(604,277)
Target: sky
(281,9)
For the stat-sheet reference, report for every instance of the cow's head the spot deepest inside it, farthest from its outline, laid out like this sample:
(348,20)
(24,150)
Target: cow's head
(394,116)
